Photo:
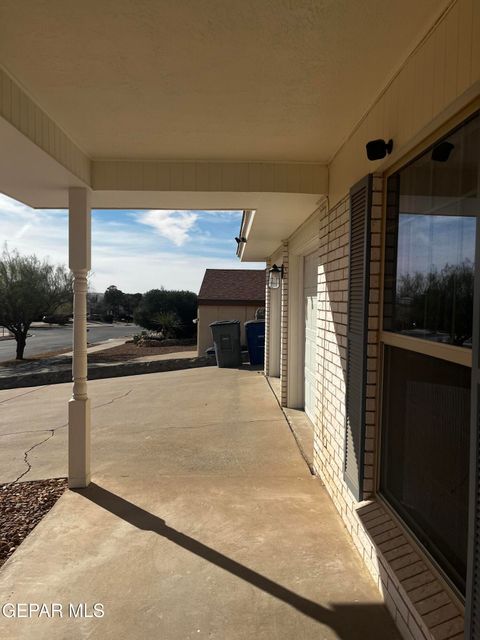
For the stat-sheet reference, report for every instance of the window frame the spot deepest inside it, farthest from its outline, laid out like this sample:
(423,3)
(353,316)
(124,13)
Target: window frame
(408,530)
(456,354)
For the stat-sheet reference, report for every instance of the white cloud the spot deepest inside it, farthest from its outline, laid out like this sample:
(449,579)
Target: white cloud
(124,252)
(23,230)
(11,206)
(170,224)
(39,231)
(150,271)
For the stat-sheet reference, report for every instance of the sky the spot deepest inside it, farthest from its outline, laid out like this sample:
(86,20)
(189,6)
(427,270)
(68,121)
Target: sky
(428,243)
(134,250)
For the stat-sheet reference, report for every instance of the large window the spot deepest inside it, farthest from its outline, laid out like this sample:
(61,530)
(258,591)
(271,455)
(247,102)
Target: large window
(432,209)
(430,241)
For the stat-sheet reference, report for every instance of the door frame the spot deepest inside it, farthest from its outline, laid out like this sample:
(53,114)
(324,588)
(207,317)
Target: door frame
(274,332)
(314,253)
(301,244)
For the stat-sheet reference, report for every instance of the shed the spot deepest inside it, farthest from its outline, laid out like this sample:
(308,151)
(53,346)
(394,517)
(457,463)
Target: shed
(228,294)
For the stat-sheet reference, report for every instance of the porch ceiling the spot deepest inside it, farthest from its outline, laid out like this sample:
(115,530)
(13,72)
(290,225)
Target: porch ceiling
(183,104)
(257,80)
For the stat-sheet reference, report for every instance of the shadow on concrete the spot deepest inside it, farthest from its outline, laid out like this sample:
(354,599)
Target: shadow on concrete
(348,620)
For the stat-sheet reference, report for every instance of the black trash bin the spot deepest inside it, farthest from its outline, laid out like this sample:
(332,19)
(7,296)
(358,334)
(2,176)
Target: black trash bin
(255,332)
(226,340)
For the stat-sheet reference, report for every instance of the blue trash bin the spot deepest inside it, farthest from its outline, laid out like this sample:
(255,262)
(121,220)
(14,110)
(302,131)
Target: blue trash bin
(255,332)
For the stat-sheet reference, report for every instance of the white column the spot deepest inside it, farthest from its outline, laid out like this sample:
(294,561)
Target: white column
(79,405)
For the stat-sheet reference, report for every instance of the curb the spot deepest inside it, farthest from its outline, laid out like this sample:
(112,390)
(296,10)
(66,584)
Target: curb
(97,372)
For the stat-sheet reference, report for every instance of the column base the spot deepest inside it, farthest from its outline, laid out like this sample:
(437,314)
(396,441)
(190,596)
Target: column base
(78,443)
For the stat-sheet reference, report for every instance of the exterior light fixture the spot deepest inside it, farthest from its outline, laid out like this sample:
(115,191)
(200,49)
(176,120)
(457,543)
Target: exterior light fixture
(275,276)
(378,149)
(240,240)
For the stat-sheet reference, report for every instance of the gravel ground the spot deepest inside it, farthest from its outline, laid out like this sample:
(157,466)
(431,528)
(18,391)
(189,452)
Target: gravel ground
(22,506)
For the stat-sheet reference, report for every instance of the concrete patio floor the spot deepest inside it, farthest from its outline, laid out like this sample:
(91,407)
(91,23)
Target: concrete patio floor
(202,520)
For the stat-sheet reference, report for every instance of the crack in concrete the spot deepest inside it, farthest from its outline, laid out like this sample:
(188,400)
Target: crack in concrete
(52,433)
(20,395)
(17,433)
(26,460)
(124,395)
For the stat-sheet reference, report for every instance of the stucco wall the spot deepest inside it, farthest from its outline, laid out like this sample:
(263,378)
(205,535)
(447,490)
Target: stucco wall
(209,313)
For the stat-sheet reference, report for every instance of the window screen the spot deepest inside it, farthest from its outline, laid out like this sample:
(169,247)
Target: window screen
(425,452)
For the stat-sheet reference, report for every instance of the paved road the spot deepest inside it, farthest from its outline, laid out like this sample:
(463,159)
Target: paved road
(51,338)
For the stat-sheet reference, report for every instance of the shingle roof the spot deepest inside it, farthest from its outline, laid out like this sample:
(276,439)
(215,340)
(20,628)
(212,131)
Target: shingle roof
(233,285)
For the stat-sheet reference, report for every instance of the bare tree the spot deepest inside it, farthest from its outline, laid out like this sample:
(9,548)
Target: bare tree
(29,288)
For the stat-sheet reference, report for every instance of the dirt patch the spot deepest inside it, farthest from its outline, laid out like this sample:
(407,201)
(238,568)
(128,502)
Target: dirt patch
(131,351)
(35,358)
(22,506)
(115,354)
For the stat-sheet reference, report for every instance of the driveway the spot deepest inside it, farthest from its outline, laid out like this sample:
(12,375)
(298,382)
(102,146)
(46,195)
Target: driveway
(45,338)
(202,520)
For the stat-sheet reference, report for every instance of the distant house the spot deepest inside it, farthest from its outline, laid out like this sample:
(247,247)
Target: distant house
(228,294)
(95,305)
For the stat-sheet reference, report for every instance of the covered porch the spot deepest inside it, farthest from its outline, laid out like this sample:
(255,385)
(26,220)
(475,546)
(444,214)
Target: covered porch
(202,518)
(191,511)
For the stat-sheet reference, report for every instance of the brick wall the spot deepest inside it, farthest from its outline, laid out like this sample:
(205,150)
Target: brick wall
(284,329)
(332,343)
(268,299)
(418,599)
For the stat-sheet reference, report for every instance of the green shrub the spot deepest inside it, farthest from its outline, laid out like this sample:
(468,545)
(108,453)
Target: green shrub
(171,312)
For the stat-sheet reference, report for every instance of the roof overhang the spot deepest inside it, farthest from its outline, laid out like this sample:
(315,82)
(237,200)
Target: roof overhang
(279,196)
(265,229)
(42,163)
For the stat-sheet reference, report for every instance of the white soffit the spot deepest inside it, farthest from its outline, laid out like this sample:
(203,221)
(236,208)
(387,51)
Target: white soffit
(256,80)
(29,174)
(33,177)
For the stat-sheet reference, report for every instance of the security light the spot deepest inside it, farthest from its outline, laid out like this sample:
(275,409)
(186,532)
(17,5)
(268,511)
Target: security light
(378,149)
